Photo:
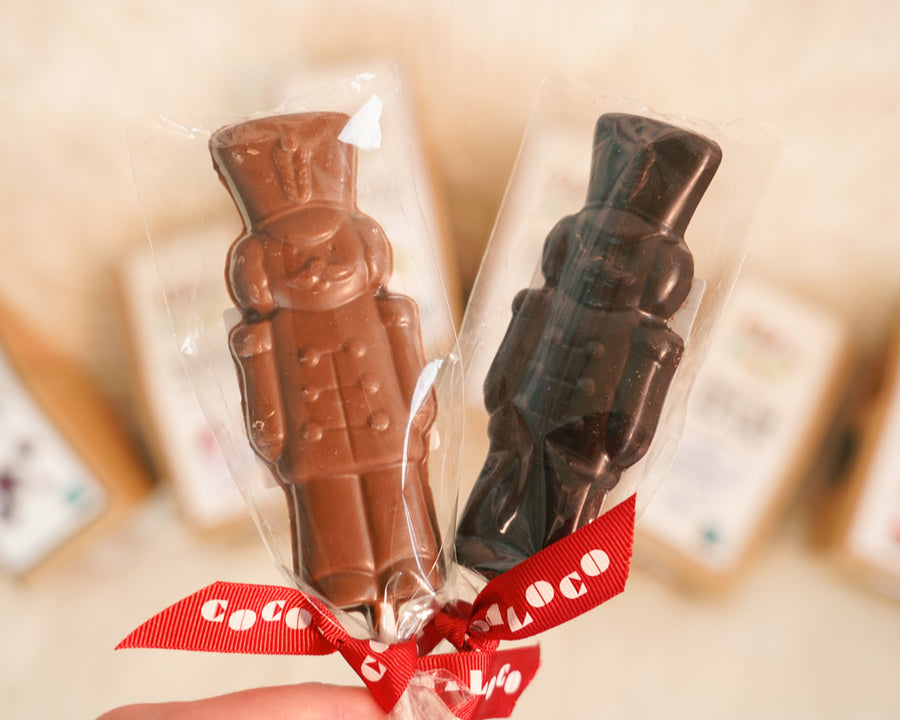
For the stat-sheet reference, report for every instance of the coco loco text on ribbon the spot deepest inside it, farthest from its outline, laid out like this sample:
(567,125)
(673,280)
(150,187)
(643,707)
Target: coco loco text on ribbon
(480,680)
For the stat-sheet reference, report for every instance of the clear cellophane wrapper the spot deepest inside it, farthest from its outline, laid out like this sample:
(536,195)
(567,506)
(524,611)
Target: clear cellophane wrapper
(307,303)
(562,378)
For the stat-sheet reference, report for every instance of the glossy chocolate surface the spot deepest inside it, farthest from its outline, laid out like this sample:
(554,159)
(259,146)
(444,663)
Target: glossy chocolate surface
(328,360)
(577,386)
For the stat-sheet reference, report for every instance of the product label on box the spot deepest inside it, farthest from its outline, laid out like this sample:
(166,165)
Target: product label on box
(47,495)
(406,212)
(875,531)
(752,405)
(551,180)
(190,453)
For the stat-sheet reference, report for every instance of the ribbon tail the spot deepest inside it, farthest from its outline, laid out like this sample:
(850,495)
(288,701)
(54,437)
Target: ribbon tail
(480,685)
(235,618)
(385,669)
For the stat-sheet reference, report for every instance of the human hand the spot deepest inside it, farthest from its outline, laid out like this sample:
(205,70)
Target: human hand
(308,701)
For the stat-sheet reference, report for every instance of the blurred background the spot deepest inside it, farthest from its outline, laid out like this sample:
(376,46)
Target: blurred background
(807,625)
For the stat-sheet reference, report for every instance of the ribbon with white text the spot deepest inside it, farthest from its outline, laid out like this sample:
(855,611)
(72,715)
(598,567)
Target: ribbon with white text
(572,576)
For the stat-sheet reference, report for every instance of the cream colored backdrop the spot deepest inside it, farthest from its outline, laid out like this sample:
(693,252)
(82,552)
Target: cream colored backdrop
(794,642)
(826,72)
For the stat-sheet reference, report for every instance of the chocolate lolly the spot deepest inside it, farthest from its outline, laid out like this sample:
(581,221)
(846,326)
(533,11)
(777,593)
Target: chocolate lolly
(328,361)
(576,389)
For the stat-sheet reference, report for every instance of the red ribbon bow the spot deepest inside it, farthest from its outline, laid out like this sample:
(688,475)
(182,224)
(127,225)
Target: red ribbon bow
(566,579)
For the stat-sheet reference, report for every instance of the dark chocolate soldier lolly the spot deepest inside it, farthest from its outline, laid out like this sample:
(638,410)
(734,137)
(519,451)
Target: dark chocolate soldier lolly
(328,361)
(576,389)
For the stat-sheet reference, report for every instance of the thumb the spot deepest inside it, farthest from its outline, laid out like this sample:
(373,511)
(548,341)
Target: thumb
(308,701)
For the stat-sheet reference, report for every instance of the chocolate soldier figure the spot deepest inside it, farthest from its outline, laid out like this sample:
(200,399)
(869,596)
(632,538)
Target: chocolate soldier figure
(328,362)
(577,386)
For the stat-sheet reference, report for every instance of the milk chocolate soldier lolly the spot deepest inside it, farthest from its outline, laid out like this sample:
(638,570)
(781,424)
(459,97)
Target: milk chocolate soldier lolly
(577,386)
(328,360)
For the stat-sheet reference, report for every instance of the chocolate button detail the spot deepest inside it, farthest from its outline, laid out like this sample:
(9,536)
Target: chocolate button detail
(310,392)
(308,356)
(311,432)
(594,350)
(369,384)
(357,348)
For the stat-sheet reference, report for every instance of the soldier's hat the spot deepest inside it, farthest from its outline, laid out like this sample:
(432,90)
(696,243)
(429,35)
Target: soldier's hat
(276,164)
(656,170)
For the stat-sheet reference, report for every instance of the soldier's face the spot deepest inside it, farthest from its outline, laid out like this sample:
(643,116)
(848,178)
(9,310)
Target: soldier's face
(323,274)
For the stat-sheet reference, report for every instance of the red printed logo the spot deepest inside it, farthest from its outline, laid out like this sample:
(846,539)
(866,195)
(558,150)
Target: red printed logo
(541,593)
(373,669)
(570,577)
(216,611)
